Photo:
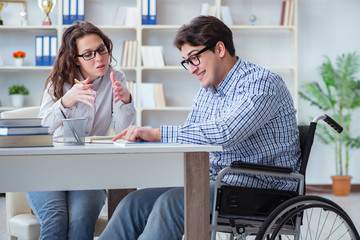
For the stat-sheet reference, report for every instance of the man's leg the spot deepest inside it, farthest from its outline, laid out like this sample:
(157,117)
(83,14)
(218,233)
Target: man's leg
(131,215)
(166,220)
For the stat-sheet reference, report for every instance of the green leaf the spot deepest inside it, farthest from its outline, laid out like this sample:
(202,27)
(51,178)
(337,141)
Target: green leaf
(18,89)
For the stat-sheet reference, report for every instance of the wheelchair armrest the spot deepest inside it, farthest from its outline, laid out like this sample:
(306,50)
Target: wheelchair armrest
(261,167)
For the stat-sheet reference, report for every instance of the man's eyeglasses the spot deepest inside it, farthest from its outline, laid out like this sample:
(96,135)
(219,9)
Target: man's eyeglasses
(193,59)
(92,54)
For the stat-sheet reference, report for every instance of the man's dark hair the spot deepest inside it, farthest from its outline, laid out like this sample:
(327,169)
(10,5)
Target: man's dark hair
(207,31)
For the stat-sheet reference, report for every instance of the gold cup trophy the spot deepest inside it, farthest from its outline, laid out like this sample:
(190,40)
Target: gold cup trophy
(46,6)
(2,5)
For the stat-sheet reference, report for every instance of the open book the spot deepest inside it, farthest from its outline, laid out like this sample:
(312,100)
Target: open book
(123,143)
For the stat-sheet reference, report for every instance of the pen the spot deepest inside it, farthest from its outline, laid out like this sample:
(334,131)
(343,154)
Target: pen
(78,82)
(71,127)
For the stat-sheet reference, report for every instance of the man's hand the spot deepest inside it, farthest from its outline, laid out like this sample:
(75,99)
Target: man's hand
(138,134)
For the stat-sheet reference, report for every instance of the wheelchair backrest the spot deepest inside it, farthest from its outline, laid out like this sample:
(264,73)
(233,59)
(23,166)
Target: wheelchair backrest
(307,133)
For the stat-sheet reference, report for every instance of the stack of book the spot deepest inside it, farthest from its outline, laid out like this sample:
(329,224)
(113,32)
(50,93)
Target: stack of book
(152,94)
(128,58)
(126,16)
(152,56)
(24,132)
(287,13)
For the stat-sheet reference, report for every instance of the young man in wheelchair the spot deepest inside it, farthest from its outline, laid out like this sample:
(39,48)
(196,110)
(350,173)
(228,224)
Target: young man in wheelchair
(241,106)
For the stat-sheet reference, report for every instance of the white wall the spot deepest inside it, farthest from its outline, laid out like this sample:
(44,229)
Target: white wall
(326,27)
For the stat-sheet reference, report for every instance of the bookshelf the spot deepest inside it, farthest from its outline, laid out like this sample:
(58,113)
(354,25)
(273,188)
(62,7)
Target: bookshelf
(266,43)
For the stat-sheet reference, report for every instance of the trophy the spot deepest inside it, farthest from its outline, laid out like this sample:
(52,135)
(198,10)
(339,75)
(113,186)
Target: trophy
(2,5)
(46,6)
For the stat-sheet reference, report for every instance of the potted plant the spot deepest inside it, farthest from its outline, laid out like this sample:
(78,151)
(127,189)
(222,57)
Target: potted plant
(19,58)
(17,93)
(340,95)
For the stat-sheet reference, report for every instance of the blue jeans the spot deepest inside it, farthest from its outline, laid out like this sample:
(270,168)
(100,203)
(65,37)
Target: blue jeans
(67,215)
(148,214)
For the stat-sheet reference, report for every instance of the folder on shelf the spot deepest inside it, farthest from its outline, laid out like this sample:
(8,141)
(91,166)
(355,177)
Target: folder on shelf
(73,11)
(152,12)
(53,49)
(46,50)
(66,12)
(145,12)
(38,50)
(81,10)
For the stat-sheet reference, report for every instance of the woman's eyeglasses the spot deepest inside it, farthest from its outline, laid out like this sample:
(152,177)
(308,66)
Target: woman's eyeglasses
(92,54)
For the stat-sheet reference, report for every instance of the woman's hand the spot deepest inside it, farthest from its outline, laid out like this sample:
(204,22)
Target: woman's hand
(120,91)
(79,92)
(138,134)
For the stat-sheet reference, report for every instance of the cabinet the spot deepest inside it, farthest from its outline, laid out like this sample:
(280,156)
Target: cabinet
(266,43)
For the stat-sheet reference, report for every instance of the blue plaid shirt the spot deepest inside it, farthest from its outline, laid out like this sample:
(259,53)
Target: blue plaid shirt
(252,116)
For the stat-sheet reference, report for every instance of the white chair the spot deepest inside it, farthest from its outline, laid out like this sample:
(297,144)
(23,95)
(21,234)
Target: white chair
(20,222)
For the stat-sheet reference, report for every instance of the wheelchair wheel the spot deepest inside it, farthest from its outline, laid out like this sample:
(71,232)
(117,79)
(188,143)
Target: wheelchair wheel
(308,217)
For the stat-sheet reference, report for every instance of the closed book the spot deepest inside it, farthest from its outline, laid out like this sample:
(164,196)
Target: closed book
(131,18)
(8,131)
(226,15)
(134,53)
(26,141)
(291,13)
(159,95)
(283,7)
(120,16)
(125,53)
(286,14)
(148,95)
(20,122)
(130,53)
(152,56)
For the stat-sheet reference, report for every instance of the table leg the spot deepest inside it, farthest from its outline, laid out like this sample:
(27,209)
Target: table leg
(115,196)
(197,198)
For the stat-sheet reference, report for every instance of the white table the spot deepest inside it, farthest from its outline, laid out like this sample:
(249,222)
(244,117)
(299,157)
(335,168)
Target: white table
(108,166)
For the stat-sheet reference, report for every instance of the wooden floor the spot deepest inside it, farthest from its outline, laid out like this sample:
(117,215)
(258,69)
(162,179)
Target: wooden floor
(350,204)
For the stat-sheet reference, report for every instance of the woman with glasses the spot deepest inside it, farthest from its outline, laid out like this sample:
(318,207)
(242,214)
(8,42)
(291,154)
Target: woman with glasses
(82,84)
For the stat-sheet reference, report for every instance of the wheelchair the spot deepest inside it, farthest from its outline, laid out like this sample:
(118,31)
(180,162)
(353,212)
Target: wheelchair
(254,213)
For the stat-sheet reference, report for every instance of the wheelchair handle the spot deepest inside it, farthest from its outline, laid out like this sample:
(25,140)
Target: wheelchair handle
(331,122)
